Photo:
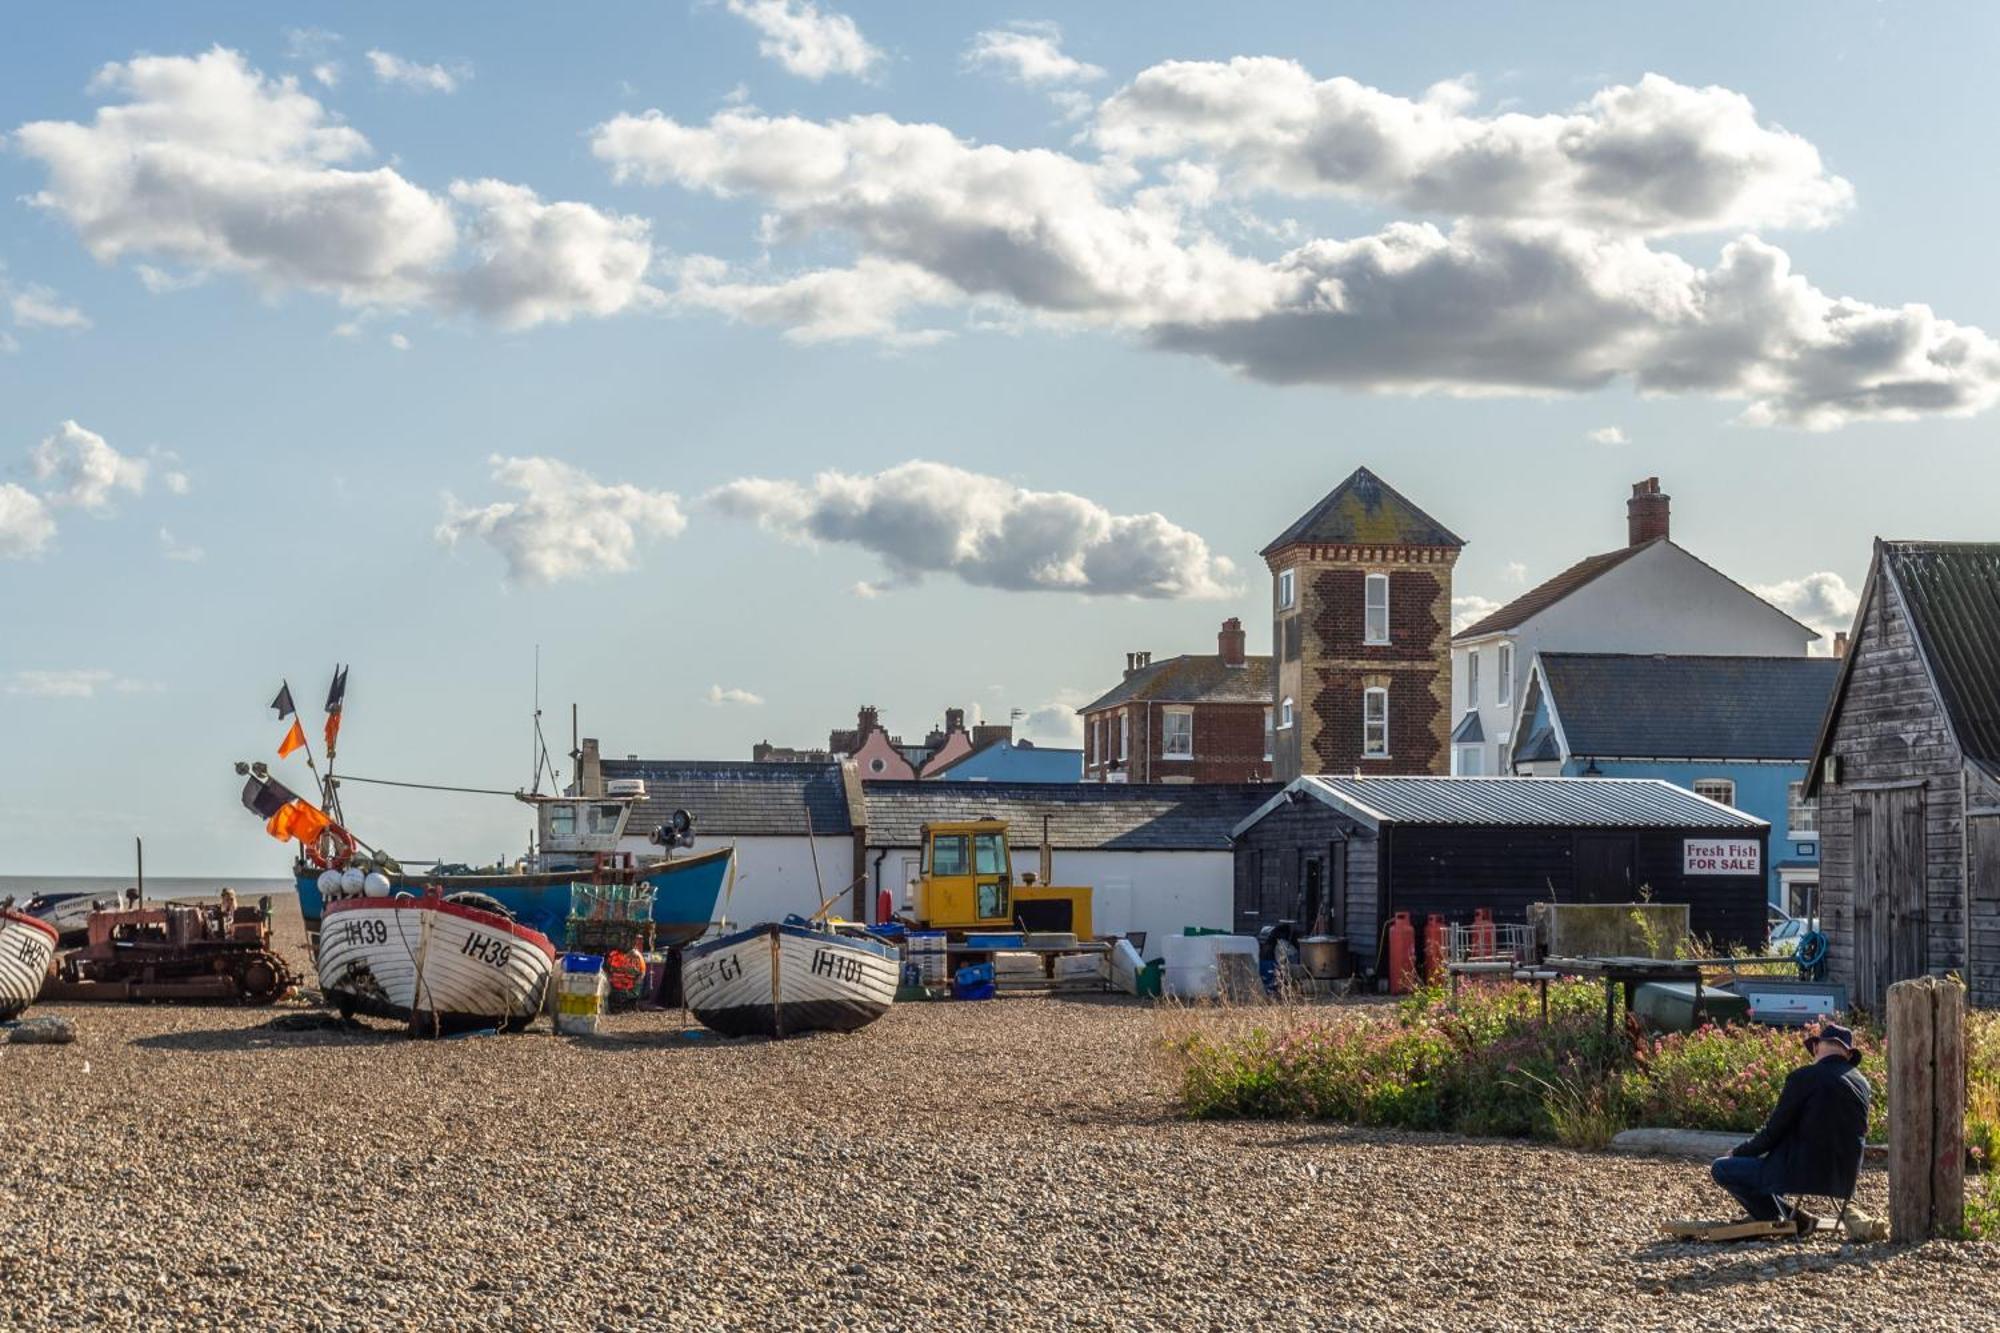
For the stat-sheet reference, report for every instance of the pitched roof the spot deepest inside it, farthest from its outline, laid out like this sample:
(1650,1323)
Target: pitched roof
(729,799)
(1023,763)
(1684,707)
(1952,593)
(1364,510)
(1191,679)
(1545,595)
(1083,816)
(1516,802)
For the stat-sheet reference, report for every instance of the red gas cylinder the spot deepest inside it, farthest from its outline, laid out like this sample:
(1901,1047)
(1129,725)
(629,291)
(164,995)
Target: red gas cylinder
(885,907)
(1483,945)
(1402,955)
(1434,949)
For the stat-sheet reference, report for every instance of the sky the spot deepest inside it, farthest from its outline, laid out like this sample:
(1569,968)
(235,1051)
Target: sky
(746,361)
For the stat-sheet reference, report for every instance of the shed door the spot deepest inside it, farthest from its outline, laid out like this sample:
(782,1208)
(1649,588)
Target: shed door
(1604,864)
(1982,865)
(1249,889)
(1890,921)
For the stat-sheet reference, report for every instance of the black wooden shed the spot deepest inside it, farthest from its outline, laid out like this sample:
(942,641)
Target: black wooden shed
(1361,849)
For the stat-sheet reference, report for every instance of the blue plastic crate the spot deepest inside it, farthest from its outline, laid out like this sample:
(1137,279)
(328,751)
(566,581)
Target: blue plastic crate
(583,962)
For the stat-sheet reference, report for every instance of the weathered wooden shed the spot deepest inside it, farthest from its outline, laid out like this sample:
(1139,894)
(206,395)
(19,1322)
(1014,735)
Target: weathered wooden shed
(1364,848)
(1907,775)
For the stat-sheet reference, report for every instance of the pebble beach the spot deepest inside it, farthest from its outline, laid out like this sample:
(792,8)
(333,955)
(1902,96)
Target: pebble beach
(1013,1164)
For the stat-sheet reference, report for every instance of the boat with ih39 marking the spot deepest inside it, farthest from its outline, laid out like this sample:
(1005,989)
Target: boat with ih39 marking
(782,978)
(26,945)
(440,964)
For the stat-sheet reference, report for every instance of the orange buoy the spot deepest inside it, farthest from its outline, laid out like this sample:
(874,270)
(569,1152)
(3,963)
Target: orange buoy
(1434,948)
(1402,955)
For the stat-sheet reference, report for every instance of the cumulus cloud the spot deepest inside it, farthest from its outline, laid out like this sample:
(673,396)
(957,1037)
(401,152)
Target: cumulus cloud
(1654,157)
(808,41)
(1822,600)
(1030,53)
(76,467)
(866,300)
(392,68)
(1470,608)
(400,342)
(1056,720)
(928,518)
(209,164)
(566,525)
(26,526)
(174,549)
(1609,435)
(731,697)
(77,683)
(38,307)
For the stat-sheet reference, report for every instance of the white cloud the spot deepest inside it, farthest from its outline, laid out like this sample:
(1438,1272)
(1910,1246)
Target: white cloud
(1056,721)
(567,525)
(77,467)
(718,697)
(1821,600)
(399,341)
(310,43)
(922,518)
(38,307)
(867,300)
(1029,53)
(391,68)
(158,281)
(174,549)
(26,526)
(1517,572)
(76,683)
(177,483)
(807,40)
(1609,435)
(1467,608)
(537,261)
(1653,157)
(327,73)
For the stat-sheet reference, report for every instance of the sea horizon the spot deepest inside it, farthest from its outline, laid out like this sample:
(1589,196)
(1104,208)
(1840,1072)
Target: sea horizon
(157,886)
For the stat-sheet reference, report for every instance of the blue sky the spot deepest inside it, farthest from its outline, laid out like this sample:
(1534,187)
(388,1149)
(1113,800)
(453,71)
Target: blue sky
(272,305)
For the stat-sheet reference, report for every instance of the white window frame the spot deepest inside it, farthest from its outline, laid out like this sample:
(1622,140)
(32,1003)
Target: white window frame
(1124,737)
(1721,790)
(1368,608)
(1097,740)
(1167,750)
(1460,754)
(1504,678)
(1270,734)
(1800,829)
(1369,748)
(1288,589)
(1472,680)
(1286,714)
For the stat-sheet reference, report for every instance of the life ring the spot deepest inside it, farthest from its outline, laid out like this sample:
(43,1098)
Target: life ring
(1811,951)
(331,849)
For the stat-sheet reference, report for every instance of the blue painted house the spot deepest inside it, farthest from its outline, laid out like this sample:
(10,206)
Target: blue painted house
(1739,730)
(1004,760)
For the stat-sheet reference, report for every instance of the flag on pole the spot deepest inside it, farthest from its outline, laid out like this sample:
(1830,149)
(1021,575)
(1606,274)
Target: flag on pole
(294,739)
(264,797)
(283,703)
(298,820)
(336,695)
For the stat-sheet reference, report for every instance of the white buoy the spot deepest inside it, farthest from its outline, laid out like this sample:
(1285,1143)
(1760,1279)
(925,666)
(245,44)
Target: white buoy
(353,881)
(329,885)
(376,885)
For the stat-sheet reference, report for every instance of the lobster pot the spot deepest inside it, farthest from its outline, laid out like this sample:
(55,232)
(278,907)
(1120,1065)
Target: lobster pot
(927,951)
(580,995)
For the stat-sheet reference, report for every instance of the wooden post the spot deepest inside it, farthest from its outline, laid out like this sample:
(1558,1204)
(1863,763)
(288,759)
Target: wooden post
(1926,1034)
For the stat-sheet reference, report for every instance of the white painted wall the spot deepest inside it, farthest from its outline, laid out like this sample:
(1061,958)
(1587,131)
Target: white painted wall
(774,876)
(1662,600)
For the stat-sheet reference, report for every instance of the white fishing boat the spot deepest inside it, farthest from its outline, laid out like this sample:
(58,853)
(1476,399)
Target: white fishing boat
(26,945)
(439,964)
(782,978)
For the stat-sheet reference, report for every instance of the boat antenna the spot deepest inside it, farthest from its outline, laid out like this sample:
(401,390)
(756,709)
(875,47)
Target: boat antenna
(139,846)
(812,845)
(535,755)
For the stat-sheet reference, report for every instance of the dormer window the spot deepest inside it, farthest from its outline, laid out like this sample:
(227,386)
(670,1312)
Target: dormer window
(1375,627)
(1287,590)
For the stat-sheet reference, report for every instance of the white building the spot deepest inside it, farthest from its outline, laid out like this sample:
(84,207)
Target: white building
(1649,596)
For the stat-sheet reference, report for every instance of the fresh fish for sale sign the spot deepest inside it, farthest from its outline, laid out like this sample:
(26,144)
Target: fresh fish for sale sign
(1722,856)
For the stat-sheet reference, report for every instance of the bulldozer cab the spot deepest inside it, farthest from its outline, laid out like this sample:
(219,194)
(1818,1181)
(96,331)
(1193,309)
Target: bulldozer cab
(968,874)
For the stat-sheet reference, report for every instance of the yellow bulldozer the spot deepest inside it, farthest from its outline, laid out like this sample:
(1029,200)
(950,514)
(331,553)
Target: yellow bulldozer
(968,885)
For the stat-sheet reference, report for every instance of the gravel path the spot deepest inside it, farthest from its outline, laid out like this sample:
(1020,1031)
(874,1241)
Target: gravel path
(1007,1164)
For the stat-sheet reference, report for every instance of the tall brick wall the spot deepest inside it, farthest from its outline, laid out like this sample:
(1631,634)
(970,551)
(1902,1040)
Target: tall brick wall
(1228,744)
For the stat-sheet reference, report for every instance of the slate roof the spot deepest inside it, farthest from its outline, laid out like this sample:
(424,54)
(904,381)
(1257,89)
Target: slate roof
(1517,802)
(1673,707)
(1469,731)
(1190,679)
(1364,510)
(1083,816)
(1545,595)
(733,799)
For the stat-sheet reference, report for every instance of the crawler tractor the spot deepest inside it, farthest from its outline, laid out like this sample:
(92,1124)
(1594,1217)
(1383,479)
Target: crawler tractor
(176,951)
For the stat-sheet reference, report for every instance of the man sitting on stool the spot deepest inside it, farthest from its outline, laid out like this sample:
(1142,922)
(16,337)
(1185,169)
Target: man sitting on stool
(1812,1142)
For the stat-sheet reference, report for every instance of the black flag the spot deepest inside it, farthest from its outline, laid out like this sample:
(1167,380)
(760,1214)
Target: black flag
(264,797)
(283,703)
(337,691)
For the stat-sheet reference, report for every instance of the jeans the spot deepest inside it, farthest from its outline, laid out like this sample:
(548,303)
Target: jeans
(1743,1178)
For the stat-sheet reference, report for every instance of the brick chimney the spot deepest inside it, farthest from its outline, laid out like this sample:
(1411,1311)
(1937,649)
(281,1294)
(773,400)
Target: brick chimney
(954,720)
(1229,643)
(1646,512)
(1840,643)
(870,719)
(1137,662)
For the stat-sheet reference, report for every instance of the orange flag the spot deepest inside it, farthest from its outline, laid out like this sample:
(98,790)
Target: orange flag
(294,739)
(296,820)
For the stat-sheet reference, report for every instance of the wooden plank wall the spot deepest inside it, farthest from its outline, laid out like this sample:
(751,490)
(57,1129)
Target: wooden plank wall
(1269,886)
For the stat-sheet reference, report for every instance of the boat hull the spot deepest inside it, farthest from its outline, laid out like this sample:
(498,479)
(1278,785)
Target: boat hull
(26,945)
(437,966)
(69,913)
(778,980)
(685,892)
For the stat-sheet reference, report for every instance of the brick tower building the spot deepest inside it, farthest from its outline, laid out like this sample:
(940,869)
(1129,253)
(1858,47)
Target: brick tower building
(1361,634)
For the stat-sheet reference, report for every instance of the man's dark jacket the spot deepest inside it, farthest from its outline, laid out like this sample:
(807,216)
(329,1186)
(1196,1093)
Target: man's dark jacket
(1812,1142)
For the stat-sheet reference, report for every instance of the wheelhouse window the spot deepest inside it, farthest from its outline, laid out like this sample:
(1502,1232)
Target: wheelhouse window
(1505,681)
(1177,733)
(1270,733)
(989,854)
(1803,815)
(1284,713)
(1716,789)
(562,820)
(1287,590)
(1472,680)
(1376,629)
(948,854)
(1375,723)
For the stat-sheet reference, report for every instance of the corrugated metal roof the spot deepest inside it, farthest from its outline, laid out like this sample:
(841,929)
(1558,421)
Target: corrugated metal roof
(1522,802)
(1364,510)
(1190,679)
(733,799)
(1083,816)
(1657,706)
(1952,592)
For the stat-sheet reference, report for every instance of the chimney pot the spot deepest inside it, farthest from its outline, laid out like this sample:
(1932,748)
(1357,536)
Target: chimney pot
(1646,513)
(1840,643)
(1229,643)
